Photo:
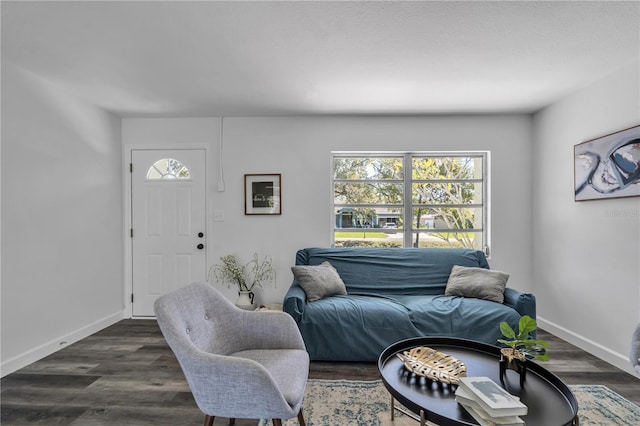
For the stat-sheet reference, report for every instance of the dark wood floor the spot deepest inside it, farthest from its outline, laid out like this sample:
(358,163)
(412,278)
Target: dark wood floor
(127,375)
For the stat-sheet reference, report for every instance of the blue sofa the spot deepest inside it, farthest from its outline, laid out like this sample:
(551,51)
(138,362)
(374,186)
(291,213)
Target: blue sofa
(395,294)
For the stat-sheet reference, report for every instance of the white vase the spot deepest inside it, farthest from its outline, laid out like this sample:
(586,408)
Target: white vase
(245,300)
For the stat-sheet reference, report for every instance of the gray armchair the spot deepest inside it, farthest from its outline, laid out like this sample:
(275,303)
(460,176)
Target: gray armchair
(634,350)
(238,364)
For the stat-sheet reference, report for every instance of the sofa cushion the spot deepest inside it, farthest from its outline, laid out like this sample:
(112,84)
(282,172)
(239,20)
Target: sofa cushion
(479,283)
(319,281)
(359,328)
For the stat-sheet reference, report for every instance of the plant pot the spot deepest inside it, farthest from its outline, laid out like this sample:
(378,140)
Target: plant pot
(245,300)
(513,359)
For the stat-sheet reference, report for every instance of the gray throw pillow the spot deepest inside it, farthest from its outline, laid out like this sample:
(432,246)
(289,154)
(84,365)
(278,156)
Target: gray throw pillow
(319,281)
(477,282)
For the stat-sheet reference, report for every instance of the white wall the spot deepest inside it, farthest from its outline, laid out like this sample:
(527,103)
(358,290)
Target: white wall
(62,263)
(587,254)
(299,148)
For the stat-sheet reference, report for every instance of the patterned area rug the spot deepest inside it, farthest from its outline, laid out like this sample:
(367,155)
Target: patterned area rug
(599,405)
(360,403)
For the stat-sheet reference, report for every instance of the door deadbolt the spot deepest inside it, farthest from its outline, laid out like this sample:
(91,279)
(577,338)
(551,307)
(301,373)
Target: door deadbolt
(200,234)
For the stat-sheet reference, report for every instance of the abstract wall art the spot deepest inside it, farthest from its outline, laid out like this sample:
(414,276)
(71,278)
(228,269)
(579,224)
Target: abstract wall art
(608,166)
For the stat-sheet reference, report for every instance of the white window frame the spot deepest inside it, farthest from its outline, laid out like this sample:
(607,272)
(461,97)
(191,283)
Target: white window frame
(407,182)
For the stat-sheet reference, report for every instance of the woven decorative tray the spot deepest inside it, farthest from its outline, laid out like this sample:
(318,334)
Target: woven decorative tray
(433,365)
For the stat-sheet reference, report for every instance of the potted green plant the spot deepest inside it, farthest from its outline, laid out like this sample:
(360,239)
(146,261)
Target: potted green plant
(246,277)
(521,342)
(520,346)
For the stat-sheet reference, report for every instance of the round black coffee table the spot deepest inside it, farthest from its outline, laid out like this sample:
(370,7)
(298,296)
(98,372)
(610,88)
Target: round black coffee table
(550,402)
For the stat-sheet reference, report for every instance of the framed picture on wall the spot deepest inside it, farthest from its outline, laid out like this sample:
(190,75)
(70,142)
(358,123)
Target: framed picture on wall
(608,166)
(262,194)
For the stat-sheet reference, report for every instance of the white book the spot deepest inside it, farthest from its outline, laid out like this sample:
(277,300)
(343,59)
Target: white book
(493,399)
(485,420)
(466,400)
(465,397)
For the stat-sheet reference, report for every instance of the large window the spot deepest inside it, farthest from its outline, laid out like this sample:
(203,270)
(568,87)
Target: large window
(410,199)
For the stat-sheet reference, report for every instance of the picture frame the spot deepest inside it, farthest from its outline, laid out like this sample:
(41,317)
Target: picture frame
(608,166)
(263,194)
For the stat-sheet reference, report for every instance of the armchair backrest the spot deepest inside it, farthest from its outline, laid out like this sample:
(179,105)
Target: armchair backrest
(198,317)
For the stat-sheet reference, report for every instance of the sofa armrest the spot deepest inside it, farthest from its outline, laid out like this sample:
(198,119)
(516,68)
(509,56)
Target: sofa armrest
(294,301)
(524,303)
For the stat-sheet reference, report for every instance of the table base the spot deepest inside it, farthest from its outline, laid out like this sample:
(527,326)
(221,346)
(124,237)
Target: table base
(422,419)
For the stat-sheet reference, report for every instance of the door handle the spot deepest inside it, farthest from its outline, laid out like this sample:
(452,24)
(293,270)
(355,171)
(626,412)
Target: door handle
(200,246)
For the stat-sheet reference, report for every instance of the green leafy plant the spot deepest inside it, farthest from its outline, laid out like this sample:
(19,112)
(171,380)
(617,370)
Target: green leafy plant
(521,342)
(247,276)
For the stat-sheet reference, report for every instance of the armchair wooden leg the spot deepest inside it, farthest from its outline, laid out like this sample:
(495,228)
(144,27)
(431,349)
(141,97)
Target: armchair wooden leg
(208,420)
(278,422)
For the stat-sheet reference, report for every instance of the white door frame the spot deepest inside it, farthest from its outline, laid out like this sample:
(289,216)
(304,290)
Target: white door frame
(127,213)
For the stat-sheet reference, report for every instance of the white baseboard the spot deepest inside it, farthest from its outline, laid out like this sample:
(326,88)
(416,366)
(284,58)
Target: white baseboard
(39,352)
(614,358)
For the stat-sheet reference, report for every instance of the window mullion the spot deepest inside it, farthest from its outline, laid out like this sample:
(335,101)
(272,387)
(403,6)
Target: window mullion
(407,169)
(370,181)
(437,206)
(448,181)
(390,206)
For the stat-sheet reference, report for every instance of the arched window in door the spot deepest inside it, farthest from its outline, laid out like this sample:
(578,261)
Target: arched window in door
(168,169)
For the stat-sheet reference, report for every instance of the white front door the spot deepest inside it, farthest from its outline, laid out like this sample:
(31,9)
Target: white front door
(168,220)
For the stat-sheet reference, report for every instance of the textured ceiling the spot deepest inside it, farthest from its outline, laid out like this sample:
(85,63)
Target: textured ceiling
(289,58)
